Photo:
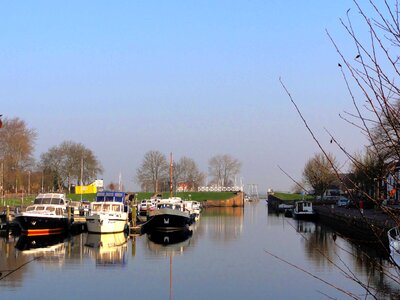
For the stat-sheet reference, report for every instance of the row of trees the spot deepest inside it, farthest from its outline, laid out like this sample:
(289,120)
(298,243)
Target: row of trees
(71,163)
(57,169)
(154,172)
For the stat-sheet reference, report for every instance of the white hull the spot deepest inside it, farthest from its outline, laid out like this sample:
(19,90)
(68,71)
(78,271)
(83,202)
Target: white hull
(106,223)
(394,244)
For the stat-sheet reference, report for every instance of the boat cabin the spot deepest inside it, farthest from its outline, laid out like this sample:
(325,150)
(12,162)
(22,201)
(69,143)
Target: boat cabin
(51,198)
(304,206)
(46,210)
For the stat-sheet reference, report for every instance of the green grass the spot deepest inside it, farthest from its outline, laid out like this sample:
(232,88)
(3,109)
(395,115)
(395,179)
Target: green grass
(292,197)
(17,201)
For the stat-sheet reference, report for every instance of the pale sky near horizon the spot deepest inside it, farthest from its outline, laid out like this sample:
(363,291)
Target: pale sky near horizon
(195,78)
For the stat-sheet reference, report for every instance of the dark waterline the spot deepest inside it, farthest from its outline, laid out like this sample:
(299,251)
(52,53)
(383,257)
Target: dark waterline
(224,257)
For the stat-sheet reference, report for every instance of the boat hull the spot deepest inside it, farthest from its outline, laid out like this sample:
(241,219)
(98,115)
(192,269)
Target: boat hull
(394,244)
(104,224)
(42,225)
(304,216)
(167,220)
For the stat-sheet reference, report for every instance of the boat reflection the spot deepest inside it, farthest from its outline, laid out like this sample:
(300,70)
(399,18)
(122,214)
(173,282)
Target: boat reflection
(107,249)
(169,243)
(40,244)
(50,249)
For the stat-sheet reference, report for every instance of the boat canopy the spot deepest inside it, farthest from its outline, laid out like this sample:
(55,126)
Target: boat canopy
(50,198)
(109,196)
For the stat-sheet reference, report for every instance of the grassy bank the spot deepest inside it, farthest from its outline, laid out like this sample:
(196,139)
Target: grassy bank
(292,197)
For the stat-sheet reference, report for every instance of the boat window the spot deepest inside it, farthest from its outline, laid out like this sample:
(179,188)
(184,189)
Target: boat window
(116,208)
(50,208)
(96,207)
(39,207)
(59,211)
(30,208)
(46,200)
(56,201)
(38,201)
(110,198)
(106,207)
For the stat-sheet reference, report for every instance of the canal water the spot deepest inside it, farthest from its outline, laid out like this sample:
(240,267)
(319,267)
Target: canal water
(231,253)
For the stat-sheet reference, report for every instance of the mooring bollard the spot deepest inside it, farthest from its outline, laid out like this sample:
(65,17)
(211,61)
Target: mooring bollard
(134,216)
(8,214)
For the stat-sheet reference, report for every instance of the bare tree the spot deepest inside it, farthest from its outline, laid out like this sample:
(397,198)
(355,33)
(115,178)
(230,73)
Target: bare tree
(153,169)
(367,172)
(69,162)
(223,169)
(372,74)
(319,173)
(186,171)
(16,151)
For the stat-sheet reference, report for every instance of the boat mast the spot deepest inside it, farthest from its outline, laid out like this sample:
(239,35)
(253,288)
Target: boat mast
(170,176)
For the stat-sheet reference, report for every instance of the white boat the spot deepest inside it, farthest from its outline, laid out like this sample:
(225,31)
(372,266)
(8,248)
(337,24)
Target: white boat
(145,206)
(47,215)
(303,210)
(108,213)
(394,244)
(194,208)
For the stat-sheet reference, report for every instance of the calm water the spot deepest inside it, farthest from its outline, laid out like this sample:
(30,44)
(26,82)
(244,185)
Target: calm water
(226,257)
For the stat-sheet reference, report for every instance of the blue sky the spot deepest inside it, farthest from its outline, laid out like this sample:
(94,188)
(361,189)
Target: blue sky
(196,78)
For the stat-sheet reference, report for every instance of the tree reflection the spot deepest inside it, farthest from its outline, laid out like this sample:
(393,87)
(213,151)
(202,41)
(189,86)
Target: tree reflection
(324,247)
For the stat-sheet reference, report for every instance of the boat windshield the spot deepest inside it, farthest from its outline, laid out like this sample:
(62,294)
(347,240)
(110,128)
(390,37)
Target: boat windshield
(165,205)
(48,201)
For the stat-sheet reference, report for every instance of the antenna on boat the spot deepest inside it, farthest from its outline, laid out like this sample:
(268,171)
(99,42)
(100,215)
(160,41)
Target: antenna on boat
(81,177)
(170,175)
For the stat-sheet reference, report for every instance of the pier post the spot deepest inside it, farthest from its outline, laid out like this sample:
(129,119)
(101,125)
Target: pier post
(7,215)
(134,216)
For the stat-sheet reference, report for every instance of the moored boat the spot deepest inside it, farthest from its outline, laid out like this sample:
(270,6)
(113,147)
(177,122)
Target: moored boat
(47,215)
(108,213)
(303,210)
(394,244)
(194,209)
(169,215)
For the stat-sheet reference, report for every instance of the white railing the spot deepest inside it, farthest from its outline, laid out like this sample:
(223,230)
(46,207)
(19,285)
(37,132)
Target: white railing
(220,189)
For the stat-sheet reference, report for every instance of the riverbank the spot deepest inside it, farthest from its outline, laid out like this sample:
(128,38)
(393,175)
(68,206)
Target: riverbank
(370,226)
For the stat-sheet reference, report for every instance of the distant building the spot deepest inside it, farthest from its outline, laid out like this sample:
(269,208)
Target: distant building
(392,181)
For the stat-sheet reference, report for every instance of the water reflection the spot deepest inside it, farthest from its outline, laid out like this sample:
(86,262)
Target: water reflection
(225,224)
(107,249)
(368,262)
(41,245)
(224,250)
